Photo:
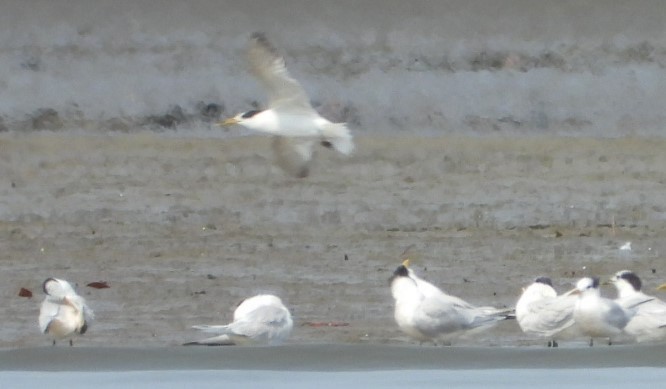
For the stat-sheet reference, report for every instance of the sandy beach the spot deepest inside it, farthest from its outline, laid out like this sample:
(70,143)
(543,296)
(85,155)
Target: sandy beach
(183,228)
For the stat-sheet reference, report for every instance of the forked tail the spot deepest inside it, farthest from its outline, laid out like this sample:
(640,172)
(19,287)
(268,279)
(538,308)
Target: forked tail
(499,313)
(219,340)
(338,135)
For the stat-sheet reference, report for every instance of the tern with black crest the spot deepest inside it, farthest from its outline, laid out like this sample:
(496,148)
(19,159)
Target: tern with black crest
(289,117)
(649,320)
(425,312)
(597,316)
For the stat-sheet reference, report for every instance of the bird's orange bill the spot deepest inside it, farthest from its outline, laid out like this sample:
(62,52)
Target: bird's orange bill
(227,122)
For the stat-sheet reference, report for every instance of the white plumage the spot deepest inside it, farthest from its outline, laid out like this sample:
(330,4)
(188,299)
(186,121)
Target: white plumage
(541,312)
(296,126)
(649,321)
(262,319)
(596,316)
(63,312)
(425,312)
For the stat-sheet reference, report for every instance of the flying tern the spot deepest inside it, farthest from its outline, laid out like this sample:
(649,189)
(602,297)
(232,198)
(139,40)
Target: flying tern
(296,127)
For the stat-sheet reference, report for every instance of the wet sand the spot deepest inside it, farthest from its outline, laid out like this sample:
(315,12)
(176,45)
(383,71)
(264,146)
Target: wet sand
(183,227)
(326,358)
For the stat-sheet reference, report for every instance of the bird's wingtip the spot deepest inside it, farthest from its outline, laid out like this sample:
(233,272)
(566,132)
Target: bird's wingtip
(259,35)
(203,343)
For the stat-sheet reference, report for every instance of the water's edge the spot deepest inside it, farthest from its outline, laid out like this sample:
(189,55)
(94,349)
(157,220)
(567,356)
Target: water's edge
(326,358)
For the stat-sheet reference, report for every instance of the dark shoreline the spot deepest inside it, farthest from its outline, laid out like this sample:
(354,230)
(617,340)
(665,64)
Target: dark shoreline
(327,358)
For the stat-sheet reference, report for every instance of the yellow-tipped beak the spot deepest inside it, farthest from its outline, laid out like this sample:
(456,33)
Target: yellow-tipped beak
(227,122)
(661,287)
(405,263)
(572,292)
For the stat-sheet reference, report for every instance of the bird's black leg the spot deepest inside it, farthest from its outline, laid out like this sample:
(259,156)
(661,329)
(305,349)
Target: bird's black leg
(71,343)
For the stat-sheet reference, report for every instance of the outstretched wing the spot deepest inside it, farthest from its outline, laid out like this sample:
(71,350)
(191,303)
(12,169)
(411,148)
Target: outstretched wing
(269,67)
(293,155)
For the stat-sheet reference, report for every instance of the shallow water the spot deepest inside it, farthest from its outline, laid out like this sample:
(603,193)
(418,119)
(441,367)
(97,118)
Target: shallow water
(328,357)
(332,366)
(509,378)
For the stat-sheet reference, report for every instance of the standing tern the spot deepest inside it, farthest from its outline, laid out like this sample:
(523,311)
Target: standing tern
(258,320)
(541,312)
(649,320)
(63,312)
(596,316)
(290,118)
(425,312)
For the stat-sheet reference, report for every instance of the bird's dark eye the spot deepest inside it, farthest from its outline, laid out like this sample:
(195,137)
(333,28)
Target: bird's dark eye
(249,114)
(595,282)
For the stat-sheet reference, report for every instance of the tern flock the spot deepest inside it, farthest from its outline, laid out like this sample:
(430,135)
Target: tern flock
(422,310)
(426,313)
(583,312)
